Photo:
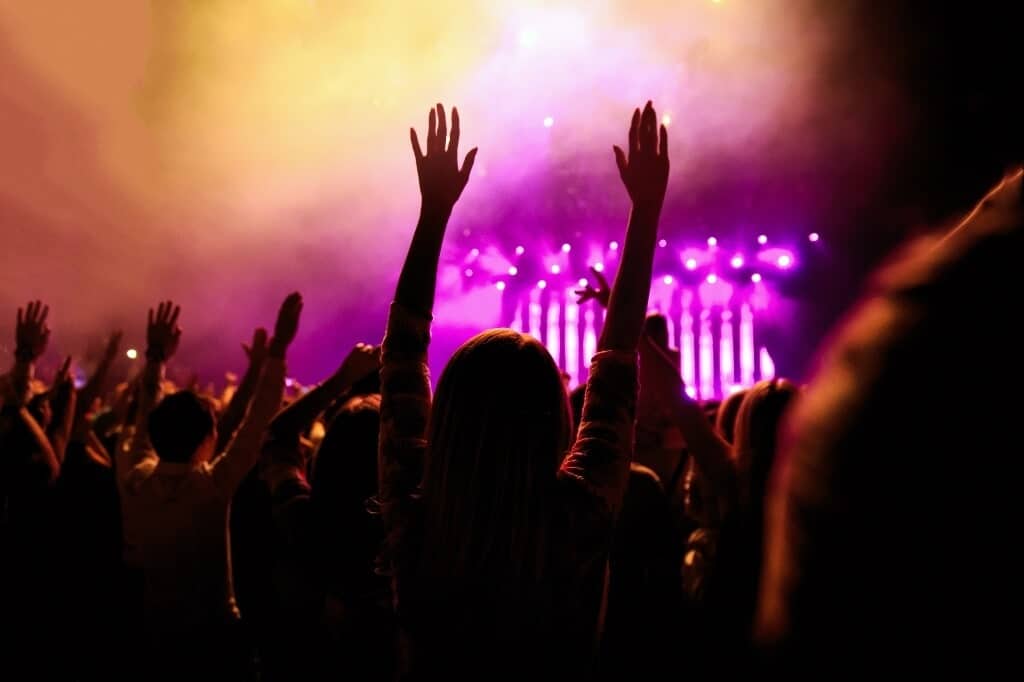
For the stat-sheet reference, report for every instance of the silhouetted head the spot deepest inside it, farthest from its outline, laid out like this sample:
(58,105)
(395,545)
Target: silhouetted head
(344,471)
(725,419)
(576,398)
(182,428)
(656,327)
(756,434)
(499,430)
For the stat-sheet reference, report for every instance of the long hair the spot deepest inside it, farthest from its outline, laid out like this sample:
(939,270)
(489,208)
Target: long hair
(756,435)
(499,429)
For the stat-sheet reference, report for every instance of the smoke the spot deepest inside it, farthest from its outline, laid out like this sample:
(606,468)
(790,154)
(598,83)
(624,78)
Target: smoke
(224,153)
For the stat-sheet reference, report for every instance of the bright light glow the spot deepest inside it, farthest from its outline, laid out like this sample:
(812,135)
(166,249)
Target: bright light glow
(762,239)
(691,263)
(767,364)
(726,360)
(500,286)
(548,121)
(541,284)
(554,340)
(736,261)
(528,37)
(555,269)
(534,315)
(662,243)
(469,272)
(712,278)
(746,345)
(513,270)
(666,120)
(613,246)
(572,340)
(582,282)
(566,248)
(686,349)
(706,356)
(519,250)
(667,279)
(599,267)
(712,241)
(813,237)
(132,353)
(784,261)
(589,336)
(755,278)
(474,253)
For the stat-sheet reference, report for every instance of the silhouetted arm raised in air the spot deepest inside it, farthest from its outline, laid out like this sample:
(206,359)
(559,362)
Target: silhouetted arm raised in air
(31,336)
(239,404)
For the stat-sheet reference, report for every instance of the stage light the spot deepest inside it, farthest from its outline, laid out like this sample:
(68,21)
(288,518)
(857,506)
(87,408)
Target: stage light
(520,250)
(662,243)
(132,353)
(667,279)
(691,263)
(712,278)
(784,261)
(762,239)
(513,270)
(666,120)
(756,277)
(548,121)
(712,241)
(613,246)
(813,237)
(583,281)
(555,269)
(528,37)
(541,284)
(474,253)
(500,286)
(566,248)
(599,267)
(469,272)
(736,261)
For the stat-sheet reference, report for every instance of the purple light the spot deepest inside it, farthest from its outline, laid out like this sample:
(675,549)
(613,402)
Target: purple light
(691,263)
(474,253)
(566,248)
(500,286)
(513,270)
(541,284)
(762,239)
(555,269)
(813,237)
(519,250)
(756,277)
(712,241)
(667,279)
(736,261)
(712,278)
(583,281)
(662,243)
(599,267)
(548,122)
(784,261)
(469,272)
(613,246)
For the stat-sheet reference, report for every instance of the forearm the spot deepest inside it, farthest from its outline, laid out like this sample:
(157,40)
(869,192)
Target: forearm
(297,417)
(94,386)
(60,429)
(43,445)
(21,376)
(627,306)
(418,280)
(239,405)
(712,454)
(147,398)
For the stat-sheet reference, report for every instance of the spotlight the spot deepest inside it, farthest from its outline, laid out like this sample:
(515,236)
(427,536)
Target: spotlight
(519,250)
(548,121)
(712,278)
(712,241)
(500,286)
(662,243)
(666,120)
(583,282)
(813,237)
(566,248)
(599,267)
(555,269)
(736,261)
(541,284)
(528,37)
(513,270)
(613,246)
(784,261)
(132,353)
(756,277)
(667,279)
(474,253)
(469,272)
(762,239)
(691,263)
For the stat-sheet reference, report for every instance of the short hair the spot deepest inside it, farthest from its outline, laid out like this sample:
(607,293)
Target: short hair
(179,425)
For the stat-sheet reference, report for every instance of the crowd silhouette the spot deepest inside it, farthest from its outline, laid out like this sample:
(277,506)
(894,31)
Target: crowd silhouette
(499,527)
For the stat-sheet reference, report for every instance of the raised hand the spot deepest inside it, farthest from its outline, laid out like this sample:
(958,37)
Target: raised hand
(441,179)
(287,325)
(257,350)
(163,332)
(113,345)
(644,170)
(63,375)
(362,361)
(600,293)
(31,334)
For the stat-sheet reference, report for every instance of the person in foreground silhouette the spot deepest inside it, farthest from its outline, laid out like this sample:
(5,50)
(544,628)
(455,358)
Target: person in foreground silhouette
(498,521)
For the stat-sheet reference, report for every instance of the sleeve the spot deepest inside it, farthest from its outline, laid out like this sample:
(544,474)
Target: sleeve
(599,461)
(405,411)
(242,454)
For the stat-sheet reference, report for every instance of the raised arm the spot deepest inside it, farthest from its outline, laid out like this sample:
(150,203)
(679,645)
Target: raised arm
(599,460)
(239,405)
(31,336)
(94,387)
(62,402)
(242,454)
(405,380)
